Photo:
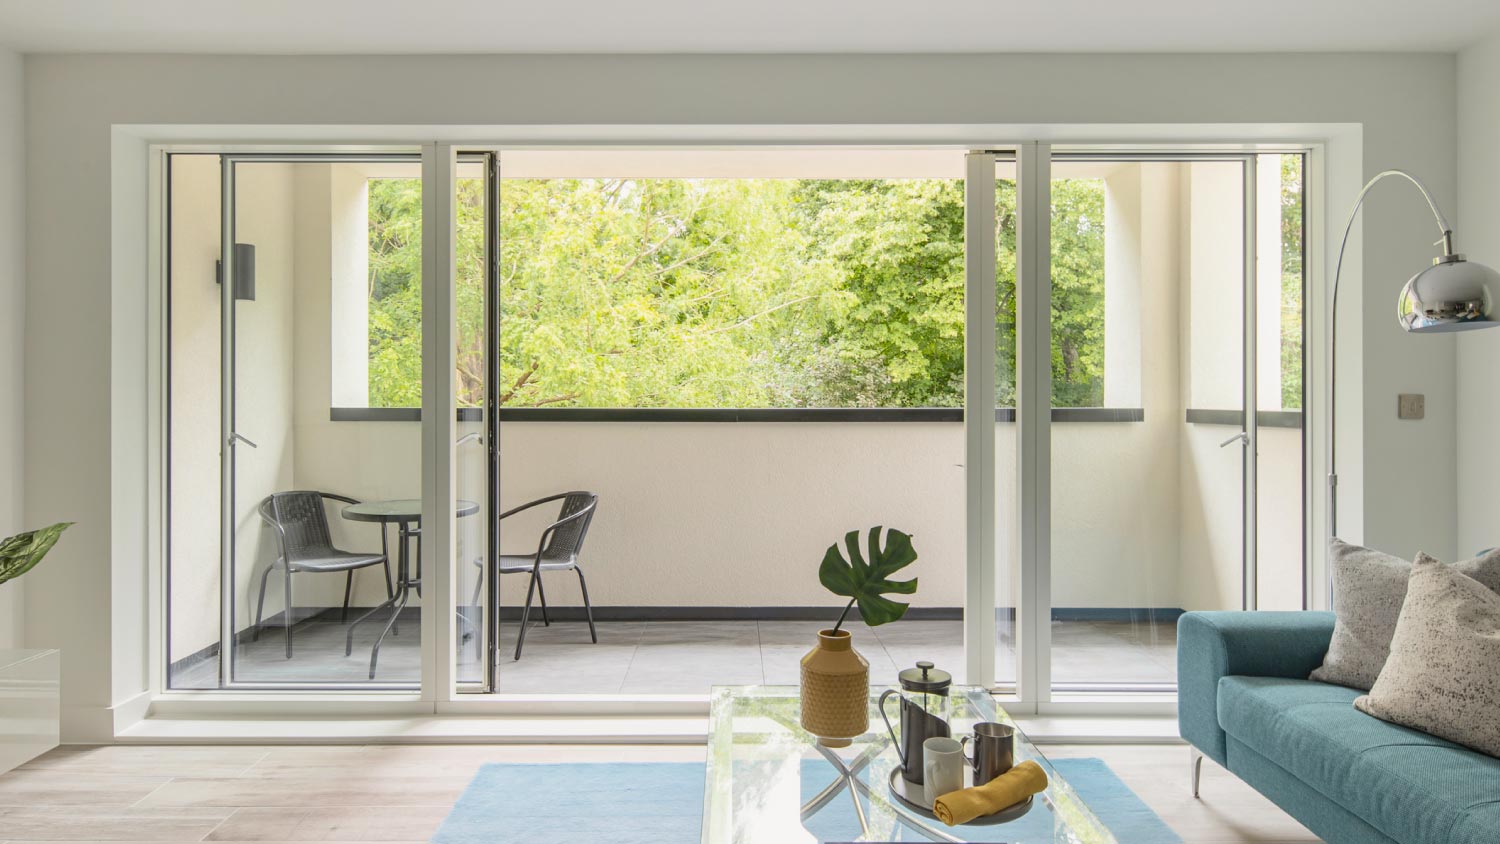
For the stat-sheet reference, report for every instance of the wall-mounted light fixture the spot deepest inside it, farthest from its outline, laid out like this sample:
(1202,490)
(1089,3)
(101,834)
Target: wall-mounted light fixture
(244,271)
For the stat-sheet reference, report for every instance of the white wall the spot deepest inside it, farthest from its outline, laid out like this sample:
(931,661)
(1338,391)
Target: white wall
(1477,231)
(1403,103)
(12,328)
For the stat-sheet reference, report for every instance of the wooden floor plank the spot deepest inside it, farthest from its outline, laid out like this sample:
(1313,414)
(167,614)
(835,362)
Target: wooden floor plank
(399,794)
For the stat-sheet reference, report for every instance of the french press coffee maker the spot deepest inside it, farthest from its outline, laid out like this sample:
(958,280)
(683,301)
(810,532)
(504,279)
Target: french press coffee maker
(924,715)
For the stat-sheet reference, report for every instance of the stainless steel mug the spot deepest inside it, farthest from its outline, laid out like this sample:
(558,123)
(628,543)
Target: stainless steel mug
(994,750)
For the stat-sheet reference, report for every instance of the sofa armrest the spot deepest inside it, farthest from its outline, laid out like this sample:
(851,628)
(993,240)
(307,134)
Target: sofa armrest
(1211,645)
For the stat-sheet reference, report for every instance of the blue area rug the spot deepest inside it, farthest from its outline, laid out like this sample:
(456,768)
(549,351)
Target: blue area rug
(662,803)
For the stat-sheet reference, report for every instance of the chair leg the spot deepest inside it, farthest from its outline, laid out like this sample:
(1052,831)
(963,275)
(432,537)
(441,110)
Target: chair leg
(288,614)
(542,597)
(526,612)
(260,607)
(587,607)
(1195,760)
(348,588)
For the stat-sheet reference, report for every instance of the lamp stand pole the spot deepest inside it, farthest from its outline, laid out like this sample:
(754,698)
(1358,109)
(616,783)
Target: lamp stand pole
(1446,241)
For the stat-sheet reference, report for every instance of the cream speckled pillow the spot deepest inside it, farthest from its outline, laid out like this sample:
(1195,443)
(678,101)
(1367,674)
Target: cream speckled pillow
(1369,588)
(1443,674)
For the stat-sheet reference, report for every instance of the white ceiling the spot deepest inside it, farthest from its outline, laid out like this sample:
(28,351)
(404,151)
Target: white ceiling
(744,26)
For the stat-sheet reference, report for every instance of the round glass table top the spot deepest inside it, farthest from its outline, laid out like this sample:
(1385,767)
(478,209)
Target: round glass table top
(400,510)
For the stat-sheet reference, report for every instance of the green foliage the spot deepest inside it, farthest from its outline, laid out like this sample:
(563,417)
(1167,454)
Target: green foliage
(395,288)
(20,553)
(1291,282)
(866,583)
(749,292)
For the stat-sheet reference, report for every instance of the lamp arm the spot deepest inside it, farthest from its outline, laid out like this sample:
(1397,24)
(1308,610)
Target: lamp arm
(1446,240)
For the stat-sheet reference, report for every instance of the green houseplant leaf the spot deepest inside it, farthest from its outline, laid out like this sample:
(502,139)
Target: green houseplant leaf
(20,553)
(866,583)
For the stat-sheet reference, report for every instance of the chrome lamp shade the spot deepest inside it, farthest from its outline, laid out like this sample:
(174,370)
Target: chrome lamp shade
(1451,295)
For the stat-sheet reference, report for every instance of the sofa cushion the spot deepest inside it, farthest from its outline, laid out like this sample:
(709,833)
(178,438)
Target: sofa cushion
(1415,787)
(1443,675)
(1368,590)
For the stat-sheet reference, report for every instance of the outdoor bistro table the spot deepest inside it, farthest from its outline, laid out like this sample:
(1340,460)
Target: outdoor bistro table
(406,513)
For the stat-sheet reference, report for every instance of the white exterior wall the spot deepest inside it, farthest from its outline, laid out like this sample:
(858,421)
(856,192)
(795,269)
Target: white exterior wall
(12,329)
(85,288)
(1477,233)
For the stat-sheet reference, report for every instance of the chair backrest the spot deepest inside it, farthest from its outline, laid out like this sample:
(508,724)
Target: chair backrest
(567,540)
(303,522)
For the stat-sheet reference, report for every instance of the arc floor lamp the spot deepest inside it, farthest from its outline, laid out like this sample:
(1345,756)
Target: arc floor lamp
(1454,294)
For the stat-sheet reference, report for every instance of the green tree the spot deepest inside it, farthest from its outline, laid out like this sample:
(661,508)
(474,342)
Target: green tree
(395,290)
(727,292)
(1291,282)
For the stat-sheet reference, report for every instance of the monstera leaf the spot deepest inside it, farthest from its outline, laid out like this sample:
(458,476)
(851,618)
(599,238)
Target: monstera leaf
(866,583)
(20,553)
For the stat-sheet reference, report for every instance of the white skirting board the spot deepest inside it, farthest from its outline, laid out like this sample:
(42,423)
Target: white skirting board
(30,694)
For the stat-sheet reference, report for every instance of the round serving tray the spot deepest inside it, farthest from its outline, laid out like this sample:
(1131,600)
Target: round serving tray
(914,797)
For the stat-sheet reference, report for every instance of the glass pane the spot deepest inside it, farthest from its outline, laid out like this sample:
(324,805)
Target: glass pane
(1147,362)
(193,423)
(678,330)
(471,463)
(1279,487)
(333,321)
(1007,533)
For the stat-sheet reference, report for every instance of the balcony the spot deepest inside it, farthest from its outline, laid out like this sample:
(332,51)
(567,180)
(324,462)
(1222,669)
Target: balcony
(702,559)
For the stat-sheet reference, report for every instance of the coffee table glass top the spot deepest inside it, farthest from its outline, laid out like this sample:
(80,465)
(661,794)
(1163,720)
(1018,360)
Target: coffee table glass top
(769,781)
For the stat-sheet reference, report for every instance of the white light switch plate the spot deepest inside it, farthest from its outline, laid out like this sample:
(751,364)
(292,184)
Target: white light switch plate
(1411,406)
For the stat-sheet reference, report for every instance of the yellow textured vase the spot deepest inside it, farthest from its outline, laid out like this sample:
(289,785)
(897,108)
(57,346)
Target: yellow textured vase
(835,690)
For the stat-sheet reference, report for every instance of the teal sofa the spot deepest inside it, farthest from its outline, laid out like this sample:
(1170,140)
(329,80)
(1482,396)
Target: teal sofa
(1244,701)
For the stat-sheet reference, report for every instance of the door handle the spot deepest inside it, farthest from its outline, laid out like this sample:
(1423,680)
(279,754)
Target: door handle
(236,436)
(1242,436)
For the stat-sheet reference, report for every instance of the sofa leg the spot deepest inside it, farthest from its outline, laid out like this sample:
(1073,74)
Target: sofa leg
(1196,762)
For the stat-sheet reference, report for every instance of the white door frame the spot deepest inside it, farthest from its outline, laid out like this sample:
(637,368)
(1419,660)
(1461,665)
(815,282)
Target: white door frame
(438,693)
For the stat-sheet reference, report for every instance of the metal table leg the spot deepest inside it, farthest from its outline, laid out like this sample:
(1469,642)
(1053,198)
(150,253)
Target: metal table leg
(849,777)
(397,596)
(397,602)
(824,797)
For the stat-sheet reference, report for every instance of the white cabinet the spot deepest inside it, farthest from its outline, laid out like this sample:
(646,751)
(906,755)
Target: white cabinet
(29,704)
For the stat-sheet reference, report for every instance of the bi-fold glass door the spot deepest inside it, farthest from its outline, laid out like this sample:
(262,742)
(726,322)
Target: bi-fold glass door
(295,394)
(1141,305)
(1153,302)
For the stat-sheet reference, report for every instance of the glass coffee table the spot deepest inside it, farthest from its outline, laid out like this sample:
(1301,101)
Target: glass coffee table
(770,782)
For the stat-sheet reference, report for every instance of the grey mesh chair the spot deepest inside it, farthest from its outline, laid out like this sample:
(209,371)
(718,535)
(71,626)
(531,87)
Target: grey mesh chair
(556,550)
(301,527)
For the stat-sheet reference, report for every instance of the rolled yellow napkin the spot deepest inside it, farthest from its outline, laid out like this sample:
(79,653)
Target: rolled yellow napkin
(1002,792)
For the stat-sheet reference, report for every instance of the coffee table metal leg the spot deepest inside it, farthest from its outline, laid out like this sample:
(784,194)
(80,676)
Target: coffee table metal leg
(912,822)
(859,809)
(830,791)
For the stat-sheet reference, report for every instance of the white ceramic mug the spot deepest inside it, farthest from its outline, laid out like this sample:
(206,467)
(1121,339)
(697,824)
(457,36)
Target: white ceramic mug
(942,767)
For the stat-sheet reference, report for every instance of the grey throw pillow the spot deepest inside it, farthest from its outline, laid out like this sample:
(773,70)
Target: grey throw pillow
(1369,588)
(1443,675)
